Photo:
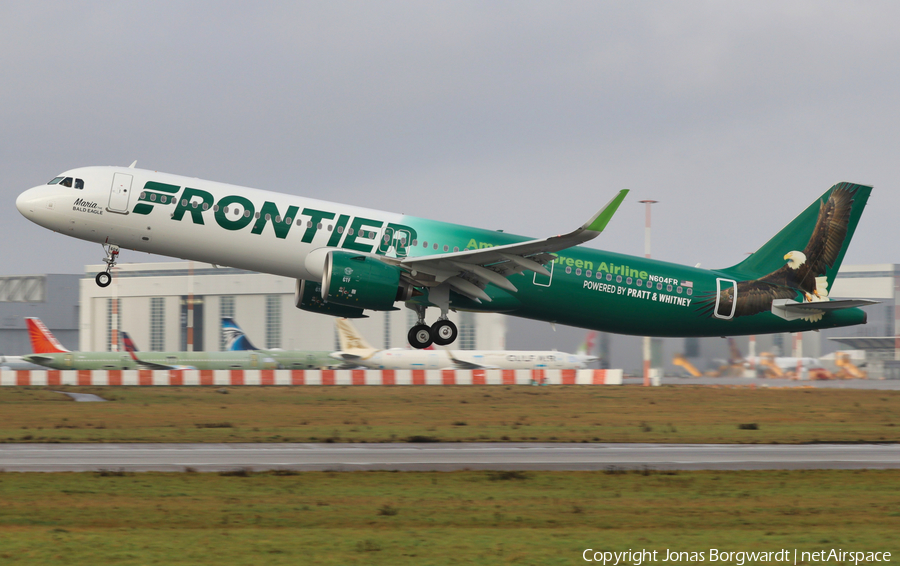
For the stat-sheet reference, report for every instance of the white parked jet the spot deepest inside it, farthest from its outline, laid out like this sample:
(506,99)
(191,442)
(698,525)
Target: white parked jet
(355,350)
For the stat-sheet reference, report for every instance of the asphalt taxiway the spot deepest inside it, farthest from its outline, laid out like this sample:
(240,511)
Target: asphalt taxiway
(442,457)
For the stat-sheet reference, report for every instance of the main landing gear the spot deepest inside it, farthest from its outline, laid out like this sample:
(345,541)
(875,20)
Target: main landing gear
(104,278)
(443,332)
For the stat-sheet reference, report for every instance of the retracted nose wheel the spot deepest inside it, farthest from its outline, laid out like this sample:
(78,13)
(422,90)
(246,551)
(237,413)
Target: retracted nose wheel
(444,332)
(103,279)
(420,336)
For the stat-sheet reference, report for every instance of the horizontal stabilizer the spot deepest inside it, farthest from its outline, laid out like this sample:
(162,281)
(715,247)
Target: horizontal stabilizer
(792,310)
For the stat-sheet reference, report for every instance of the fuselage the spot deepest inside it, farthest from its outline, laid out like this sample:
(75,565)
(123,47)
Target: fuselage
(262,359)
(286,235)
(400,359)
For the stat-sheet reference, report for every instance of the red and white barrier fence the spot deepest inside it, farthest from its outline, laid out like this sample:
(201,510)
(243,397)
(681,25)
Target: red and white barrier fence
(311,377)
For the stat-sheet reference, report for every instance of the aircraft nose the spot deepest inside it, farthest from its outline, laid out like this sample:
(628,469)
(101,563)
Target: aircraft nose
(26,201)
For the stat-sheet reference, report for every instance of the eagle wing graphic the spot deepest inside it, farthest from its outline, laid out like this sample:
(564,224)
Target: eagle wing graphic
(822,250)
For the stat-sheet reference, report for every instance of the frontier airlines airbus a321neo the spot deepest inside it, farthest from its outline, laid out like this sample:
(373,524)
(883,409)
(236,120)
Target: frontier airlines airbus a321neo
(347,259)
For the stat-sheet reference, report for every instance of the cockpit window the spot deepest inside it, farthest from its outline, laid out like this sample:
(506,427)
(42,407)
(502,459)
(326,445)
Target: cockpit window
(68,182)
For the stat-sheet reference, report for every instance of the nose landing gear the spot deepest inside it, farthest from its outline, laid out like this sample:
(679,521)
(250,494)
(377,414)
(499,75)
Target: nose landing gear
(104,278)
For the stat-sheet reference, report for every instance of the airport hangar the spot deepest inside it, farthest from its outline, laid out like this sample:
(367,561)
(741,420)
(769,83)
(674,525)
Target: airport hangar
(151,303)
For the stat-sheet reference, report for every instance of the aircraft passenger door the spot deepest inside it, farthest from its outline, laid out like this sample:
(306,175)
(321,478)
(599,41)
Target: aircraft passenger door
(725,309)
(543,280)
(119,193)
(69,360)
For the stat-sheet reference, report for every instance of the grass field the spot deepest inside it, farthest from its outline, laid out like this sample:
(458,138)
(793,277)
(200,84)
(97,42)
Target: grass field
(436,518)
(466,413)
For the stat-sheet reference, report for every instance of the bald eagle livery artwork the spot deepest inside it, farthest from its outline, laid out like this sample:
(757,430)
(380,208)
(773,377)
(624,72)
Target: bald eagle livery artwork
(805,275)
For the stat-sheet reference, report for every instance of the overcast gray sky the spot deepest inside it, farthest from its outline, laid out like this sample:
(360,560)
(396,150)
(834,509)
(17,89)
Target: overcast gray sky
(523,116)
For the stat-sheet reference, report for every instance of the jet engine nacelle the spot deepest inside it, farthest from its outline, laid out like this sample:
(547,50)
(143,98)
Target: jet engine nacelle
(308,297)
(362,281)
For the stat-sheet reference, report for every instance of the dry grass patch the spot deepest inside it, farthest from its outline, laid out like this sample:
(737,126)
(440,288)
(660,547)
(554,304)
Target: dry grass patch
(462,413)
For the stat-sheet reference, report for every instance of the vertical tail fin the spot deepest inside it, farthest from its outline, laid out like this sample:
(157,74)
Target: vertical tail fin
(350,339)
(128,342)
(42,340)
(587,347)
(822,232)
(235,339)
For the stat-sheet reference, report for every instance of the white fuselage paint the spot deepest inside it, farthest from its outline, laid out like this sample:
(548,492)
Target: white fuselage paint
(53,207)
(494,359)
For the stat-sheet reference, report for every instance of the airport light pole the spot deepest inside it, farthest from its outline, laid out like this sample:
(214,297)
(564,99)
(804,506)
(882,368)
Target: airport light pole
(647,348)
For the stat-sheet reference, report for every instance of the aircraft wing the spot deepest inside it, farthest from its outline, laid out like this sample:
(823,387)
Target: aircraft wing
(469,271)
(153,365)
(462,364)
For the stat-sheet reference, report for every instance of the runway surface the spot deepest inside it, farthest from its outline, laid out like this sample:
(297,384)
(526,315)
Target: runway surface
(442,457)
(879,384)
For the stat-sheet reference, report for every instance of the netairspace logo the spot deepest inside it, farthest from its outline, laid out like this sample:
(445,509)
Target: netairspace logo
(737,558)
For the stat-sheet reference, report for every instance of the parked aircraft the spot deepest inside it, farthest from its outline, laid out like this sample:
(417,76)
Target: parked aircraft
(48,352)
(236,341)
(355,350)
(348,259)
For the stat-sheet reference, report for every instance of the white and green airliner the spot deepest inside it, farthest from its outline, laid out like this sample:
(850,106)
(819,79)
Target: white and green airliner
(348,260)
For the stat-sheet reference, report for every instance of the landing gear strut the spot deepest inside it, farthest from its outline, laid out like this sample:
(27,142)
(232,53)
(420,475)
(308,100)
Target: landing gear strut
(443,332)
(104,278)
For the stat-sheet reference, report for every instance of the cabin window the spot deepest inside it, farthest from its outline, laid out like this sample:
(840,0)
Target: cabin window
(456,249)
(268,217)
(163,199)
(152,196)
(330,227)
(246,213)
(288,220)
(319,226)
(215,208)
(205,206)
(435,245)
(678,290)
(349,231)
(340,229)
(446,248)
(669,288)
(659,286)
(690,291)
(578,271)
(256,216)
(639,282)
(568,269)
(628,281)
(609,276)
(618,278)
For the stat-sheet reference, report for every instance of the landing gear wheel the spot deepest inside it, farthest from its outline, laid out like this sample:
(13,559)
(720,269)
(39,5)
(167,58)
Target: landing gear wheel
(103,279)
(444,332)
(419,336)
